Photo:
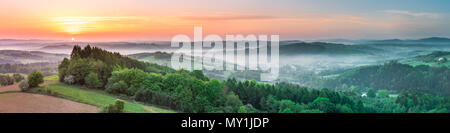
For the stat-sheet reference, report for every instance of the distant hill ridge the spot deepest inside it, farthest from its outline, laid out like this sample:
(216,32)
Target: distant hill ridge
(430,39)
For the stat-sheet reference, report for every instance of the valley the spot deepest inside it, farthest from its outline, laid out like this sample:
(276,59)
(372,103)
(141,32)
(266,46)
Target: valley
(353,69)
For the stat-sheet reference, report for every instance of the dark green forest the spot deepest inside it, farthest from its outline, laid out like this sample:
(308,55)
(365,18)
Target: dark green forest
(396,77)
(192,91)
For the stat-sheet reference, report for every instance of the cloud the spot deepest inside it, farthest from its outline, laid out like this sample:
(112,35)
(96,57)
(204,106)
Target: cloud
(333,19)
(228,17)
(86,20)
(413,14)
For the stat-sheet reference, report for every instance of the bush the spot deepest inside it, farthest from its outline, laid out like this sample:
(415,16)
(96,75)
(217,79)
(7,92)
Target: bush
(6,80)
(371,93)
(24,86)
(18,77)
(92,81)
(323,104)
(69,79)
(35,78)
(158,98)
(130,80)
(117,107)
(117,88)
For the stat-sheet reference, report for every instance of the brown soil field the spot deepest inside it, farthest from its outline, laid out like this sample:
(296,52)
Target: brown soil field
(18,102)
(9,88)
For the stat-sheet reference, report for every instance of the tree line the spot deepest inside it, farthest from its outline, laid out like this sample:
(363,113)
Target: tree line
(6,79)
(46,68)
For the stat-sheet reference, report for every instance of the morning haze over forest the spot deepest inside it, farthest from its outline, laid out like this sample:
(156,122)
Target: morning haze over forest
(346,56)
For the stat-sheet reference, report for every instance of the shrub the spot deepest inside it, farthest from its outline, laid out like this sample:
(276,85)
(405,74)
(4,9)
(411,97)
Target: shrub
(35,78)
(70,79)
(242,109)
(158,98)
(117,88)
(17,77)
(79,68)
(117,107)
(92,81)
(6,80)
(130,80)
(24,86)
(323,104)
(371,93)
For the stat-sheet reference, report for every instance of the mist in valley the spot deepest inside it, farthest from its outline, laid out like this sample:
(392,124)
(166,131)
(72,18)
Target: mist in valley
(300,62)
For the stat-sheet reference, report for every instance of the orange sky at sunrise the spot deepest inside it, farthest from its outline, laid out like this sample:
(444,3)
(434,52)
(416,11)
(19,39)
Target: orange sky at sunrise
(161,20)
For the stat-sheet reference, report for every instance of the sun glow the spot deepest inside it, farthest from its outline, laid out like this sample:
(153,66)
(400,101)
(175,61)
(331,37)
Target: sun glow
(87,25)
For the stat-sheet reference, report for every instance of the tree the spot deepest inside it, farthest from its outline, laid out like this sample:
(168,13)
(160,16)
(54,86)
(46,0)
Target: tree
(287,106)
(234,102)
(323,104)
(132,79)
(79,68)
(24,86)
(287,110)
(92,80)
(343,109)
(76,52)
(371,93)
(199,75)
(117,88)
(6,80)
(383,94)
(117,107)
(242,109)
(62,69)
(35,78)
(18,77)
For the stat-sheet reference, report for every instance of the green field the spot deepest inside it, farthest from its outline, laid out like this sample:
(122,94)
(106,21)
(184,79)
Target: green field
(93,97)
(51,78)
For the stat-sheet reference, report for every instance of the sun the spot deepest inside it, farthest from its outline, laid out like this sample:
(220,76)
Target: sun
(73,39)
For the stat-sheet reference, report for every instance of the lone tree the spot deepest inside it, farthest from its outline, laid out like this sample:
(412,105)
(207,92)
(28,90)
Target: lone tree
(35,78)
(371,93)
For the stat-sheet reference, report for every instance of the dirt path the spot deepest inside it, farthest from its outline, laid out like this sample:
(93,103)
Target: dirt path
(19,102)
(149,109)
(15,87)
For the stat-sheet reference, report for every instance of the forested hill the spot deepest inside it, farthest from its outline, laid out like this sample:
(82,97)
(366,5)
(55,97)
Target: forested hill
(25,57)
(314,48)
(187,91)
(423,40)
(396,77)
(192,91)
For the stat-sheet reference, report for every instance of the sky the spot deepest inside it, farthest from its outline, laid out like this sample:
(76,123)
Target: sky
(92,20)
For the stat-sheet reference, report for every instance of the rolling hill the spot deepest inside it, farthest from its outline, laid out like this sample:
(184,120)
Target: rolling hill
(25,57)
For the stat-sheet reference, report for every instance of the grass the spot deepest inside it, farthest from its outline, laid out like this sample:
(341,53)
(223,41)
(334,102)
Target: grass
(93,97)
(6,92)
(52,78)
